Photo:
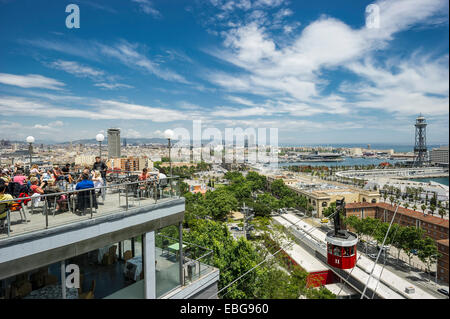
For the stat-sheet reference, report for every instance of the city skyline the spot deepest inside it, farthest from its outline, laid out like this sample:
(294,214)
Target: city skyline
(146,66)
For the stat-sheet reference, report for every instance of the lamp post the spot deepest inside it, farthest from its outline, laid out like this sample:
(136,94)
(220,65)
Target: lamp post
(100,138)
(169,135)
(30,141)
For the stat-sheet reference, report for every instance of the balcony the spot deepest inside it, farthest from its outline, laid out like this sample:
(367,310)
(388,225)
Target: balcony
(196,265)
(68,207)
(44,233)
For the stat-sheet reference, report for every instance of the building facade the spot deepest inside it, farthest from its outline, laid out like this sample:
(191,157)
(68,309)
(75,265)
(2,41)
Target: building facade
(439,156)
(130,164)
(434,227)
(320,198)
(113,142)
(442,267)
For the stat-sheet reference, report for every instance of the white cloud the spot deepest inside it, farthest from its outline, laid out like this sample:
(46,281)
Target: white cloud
(240,100)
(158,133)
(292,69)
(31,81)
(147,7)
(52,126)
(112,86)
(95,109)
(76,69)
(128,54)
(130,133)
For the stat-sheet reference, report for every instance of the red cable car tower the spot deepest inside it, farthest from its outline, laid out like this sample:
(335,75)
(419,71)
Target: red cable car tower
(341,244)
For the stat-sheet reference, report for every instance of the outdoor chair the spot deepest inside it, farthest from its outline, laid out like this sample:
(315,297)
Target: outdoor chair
(86,200)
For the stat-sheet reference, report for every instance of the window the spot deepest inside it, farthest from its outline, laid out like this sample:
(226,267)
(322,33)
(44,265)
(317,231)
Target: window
(330,248)
(337,251)
(349,251)
(346,251)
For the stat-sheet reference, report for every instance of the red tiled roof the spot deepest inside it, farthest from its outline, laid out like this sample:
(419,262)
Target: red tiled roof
(412,213)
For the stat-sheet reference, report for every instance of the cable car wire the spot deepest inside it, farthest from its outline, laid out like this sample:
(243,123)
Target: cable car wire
(379,253)
(384,264)
(359,257)
(266,259)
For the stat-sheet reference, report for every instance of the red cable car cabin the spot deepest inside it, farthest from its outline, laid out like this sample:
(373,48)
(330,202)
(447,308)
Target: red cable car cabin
(341,244)
(341,251)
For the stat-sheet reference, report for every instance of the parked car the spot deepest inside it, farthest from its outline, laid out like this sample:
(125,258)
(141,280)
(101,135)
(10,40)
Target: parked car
(373,256)
(414,252)
(234,228)
(324,220)
(443,291)
(385,247)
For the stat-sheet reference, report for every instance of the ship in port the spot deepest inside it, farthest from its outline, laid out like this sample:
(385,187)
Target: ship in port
(320,157)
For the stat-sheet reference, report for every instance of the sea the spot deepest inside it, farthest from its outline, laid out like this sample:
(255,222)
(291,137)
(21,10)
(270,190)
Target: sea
(398,148)
(348,161)
(440,180)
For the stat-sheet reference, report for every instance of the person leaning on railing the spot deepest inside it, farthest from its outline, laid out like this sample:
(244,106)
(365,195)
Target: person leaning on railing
(4,207)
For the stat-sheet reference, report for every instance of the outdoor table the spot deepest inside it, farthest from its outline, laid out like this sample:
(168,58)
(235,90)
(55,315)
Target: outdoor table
(52,292)
(175,248)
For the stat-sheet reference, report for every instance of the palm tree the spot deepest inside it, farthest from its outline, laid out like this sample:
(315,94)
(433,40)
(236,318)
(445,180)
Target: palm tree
(414,207)
(432,209)
(406,205)
(423,207)
(391,199)
(442,212)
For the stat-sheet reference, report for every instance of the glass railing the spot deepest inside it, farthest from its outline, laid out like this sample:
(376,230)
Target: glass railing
(63,204)
(167,264)
(197,262)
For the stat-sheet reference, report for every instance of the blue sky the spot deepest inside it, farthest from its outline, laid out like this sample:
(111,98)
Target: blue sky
(311,69)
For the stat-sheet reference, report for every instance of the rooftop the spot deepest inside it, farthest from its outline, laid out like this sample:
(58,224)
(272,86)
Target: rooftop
(401,210)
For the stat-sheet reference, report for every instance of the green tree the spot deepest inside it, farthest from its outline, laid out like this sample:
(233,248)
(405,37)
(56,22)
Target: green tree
(258,182)
(320,293)
(329,210)
(391,199)
(410,240)
(432,209)
(356,224)
(423,207)
(442,212)
(232,257)
(220,203)
(428,252)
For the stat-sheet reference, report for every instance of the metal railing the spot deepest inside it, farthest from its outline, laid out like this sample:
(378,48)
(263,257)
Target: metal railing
(197,260)
(83,203)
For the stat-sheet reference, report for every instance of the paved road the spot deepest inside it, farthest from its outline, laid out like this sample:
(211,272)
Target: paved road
(399,267)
